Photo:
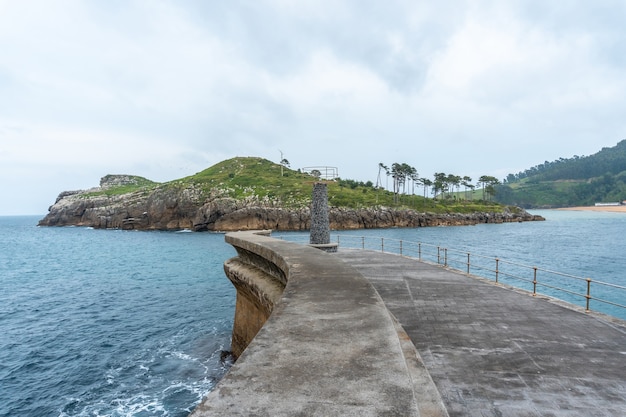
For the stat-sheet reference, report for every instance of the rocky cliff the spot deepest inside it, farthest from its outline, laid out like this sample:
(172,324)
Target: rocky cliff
(174,207)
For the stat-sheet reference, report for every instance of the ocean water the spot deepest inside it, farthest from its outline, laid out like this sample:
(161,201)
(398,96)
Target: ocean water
(110,322)
(126,323)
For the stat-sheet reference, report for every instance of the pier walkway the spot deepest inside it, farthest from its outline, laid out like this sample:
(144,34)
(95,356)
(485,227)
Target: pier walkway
(495,351)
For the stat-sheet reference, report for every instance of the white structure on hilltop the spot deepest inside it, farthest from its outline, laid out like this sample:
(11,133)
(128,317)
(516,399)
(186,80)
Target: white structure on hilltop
(322,172)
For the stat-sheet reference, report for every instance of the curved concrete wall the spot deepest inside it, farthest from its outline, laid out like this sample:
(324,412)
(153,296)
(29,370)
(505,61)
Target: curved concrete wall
(260,275)
(314,338)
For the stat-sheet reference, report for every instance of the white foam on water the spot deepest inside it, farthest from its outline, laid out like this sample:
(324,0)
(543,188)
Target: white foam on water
(140,403)
(183,356)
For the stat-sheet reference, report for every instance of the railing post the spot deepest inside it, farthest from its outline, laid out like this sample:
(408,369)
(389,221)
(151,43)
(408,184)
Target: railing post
(468,263)
(419,251)
(382,244)
(400,247)
(497,271)
(588,296)
(438,255)
(445,256)
(534,281)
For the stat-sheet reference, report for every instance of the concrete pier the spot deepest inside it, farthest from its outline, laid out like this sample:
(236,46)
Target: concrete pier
(495,351)
(328,348)
(363,333)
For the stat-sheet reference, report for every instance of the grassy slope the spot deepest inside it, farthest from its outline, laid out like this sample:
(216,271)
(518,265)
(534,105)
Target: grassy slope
(256,177)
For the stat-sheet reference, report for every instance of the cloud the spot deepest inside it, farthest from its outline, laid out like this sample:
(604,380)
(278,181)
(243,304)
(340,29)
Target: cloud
(166,88)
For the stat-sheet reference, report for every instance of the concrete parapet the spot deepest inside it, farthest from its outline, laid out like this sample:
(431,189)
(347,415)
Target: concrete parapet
(329,345)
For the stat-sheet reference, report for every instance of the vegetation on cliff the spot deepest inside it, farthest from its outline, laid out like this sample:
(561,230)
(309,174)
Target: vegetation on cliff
(111,185)
(257,178)
(576,181)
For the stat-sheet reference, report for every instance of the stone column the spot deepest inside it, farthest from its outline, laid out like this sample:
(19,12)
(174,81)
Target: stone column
(320,225)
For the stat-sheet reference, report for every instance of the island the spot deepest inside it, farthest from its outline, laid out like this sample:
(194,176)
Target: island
(250,193)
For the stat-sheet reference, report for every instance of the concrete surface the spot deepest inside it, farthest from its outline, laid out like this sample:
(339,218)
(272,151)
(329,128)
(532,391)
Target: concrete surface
(329,348)
(493,351)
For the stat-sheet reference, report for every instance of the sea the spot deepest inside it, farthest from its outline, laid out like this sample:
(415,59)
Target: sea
(137,323)
(110,322)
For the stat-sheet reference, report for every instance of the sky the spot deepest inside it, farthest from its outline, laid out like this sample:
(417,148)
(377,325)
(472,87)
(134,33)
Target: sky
(166,88)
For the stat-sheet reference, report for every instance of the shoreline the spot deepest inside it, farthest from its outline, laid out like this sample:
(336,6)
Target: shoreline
(612,209)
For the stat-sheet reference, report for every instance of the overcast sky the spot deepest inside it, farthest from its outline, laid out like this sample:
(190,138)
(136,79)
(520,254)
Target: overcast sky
(164,89)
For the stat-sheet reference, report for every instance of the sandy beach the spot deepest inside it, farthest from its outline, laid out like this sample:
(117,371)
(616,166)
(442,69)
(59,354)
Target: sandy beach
(616,209)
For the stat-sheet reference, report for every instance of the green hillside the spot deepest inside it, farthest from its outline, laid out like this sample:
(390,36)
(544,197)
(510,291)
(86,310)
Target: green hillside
(258,178)
(576,181)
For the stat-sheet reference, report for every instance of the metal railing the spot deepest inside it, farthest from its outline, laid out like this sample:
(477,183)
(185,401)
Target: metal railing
(539,281)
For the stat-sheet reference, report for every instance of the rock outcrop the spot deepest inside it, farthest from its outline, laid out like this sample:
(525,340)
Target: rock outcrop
(176,208)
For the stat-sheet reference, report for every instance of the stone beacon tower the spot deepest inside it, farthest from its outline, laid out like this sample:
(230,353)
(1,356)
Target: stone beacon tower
(320,224)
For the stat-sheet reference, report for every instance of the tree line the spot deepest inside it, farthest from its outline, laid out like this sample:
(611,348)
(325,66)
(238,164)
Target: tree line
(608,160)
(405,178)
(576,181)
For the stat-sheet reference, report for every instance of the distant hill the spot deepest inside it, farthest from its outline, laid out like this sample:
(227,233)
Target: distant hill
(566,182)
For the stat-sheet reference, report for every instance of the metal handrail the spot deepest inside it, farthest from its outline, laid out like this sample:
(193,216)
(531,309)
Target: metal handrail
(491,268)
(462,261)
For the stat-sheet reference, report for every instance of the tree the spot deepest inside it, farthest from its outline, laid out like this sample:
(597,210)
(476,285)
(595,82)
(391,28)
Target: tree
(439,184)
(425,183)
(488,185)
(283,163)
(408,171)
(453,181)
(398,179)
(381,167)
(379,181)
(491,188)
(414,178)
(466,182)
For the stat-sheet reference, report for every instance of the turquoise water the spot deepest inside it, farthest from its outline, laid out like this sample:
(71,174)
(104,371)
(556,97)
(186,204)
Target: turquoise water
(109,322)
(124,323)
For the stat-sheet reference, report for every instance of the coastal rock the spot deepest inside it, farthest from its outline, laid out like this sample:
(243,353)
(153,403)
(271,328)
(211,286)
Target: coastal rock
(184,207)
(110,181)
